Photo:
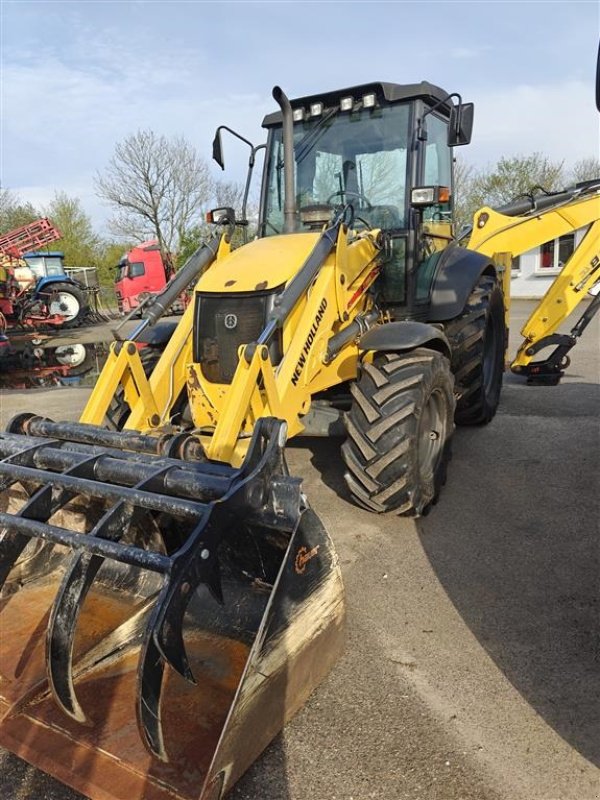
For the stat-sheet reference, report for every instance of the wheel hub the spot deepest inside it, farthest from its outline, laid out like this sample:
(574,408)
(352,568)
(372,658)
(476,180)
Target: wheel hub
(64,304)
(431,433)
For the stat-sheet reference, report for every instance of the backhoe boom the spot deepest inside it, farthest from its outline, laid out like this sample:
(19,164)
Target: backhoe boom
(507,233)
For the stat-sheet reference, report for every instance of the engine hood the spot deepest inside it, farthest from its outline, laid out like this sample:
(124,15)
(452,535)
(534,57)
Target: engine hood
(259,265)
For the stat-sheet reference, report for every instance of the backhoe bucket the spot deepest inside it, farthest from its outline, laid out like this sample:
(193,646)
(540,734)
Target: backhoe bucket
(161,616)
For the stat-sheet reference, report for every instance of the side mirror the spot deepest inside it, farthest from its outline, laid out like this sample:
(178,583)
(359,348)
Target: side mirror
(218,150)
(221,216)
(461,124)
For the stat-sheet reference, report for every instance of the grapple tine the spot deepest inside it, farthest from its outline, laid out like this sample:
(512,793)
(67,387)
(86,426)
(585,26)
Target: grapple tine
(12,544)
(40,507)
(149,687)
(190,569)
(71,596)
(63,623)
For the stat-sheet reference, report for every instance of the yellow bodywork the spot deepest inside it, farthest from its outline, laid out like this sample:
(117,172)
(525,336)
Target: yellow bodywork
(224,415)
(503,238)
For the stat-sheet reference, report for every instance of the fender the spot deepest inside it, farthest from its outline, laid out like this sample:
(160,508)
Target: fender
(405,335)
(43,283)
(458,270)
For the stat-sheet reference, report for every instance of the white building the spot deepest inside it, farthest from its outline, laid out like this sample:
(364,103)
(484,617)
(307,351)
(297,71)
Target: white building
(534,271)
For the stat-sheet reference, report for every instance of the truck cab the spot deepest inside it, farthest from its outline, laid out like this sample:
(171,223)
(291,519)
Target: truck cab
(141,271)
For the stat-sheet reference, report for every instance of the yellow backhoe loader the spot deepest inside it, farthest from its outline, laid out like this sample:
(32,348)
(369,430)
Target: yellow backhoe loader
(169,598)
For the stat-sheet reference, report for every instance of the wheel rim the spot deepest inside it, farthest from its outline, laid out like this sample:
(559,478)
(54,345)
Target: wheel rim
(432,433)
(64,304)
(72,355)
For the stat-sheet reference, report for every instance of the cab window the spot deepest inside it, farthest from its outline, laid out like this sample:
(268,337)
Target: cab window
(438,167)
(136,269)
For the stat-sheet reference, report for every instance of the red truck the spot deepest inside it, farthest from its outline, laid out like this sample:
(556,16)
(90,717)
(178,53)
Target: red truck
(141,272)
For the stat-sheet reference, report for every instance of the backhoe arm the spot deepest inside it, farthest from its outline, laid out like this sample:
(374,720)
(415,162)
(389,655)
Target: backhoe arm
(504,237)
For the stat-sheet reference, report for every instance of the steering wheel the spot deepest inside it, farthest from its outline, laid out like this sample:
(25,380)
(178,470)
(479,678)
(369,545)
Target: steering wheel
(346,192)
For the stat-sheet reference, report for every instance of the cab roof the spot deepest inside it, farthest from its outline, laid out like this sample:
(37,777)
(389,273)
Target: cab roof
(43,254)
(389,92)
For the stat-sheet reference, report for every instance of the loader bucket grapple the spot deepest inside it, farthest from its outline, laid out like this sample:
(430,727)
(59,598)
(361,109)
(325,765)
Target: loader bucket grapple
(161,615)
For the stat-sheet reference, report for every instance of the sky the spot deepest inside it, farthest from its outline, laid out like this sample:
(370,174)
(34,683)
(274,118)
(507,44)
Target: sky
(77,77)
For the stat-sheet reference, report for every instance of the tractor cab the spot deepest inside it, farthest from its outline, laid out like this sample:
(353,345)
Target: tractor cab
(46,265)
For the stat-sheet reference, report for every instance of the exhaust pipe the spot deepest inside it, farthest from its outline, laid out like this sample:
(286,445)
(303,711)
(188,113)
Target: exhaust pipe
(289,196)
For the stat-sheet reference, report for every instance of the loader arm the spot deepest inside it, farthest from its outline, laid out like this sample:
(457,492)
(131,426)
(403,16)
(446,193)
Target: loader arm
(323,299)
(504,236)
(152,398)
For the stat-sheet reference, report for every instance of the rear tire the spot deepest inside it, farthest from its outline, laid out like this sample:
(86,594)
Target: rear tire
(399,431)
(478,339)
(70,301)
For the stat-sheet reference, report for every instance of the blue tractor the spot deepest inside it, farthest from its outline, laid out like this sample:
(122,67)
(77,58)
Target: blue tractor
(54,289)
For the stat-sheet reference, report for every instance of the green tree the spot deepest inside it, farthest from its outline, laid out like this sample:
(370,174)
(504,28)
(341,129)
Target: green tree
(508,179)
(586,169)
(14,212)
(78,241)
(514,177)
(464,208)
(109,253)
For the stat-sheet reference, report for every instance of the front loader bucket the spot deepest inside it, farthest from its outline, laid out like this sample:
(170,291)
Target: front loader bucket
(161,617)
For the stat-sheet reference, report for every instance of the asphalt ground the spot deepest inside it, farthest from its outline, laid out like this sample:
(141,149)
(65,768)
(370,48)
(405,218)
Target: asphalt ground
(471,670)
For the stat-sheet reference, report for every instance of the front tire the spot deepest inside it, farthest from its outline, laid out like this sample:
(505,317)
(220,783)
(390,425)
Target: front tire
(399,430)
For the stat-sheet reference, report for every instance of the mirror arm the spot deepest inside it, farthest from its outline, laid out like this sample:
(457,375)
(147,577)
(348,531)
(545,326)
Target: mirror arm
(251,162)
(423,129)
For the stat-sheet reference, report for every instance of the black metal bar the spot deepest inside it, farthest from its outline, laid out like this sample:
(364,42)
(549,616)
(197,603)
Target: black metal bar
(41,506)
(219,473)
(358,327)
(192,268)
(542,202)
(181,482)
(124,554)
(587,316)
(95,435)
(91,488)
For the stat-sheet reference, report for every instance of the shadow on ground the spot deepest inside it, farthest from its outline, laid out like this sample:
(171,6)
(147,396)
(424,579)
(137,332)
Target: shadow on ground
(528,586)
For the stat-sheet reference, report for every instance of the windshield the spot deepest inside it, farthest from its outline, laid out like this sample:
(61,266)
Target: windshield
(43,266)
(121,271)
(359,158)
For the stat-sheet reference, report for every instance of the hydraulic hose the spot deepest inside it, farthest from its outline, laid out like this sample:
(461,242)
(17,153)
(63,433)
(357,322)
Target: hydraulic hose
(192,268)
